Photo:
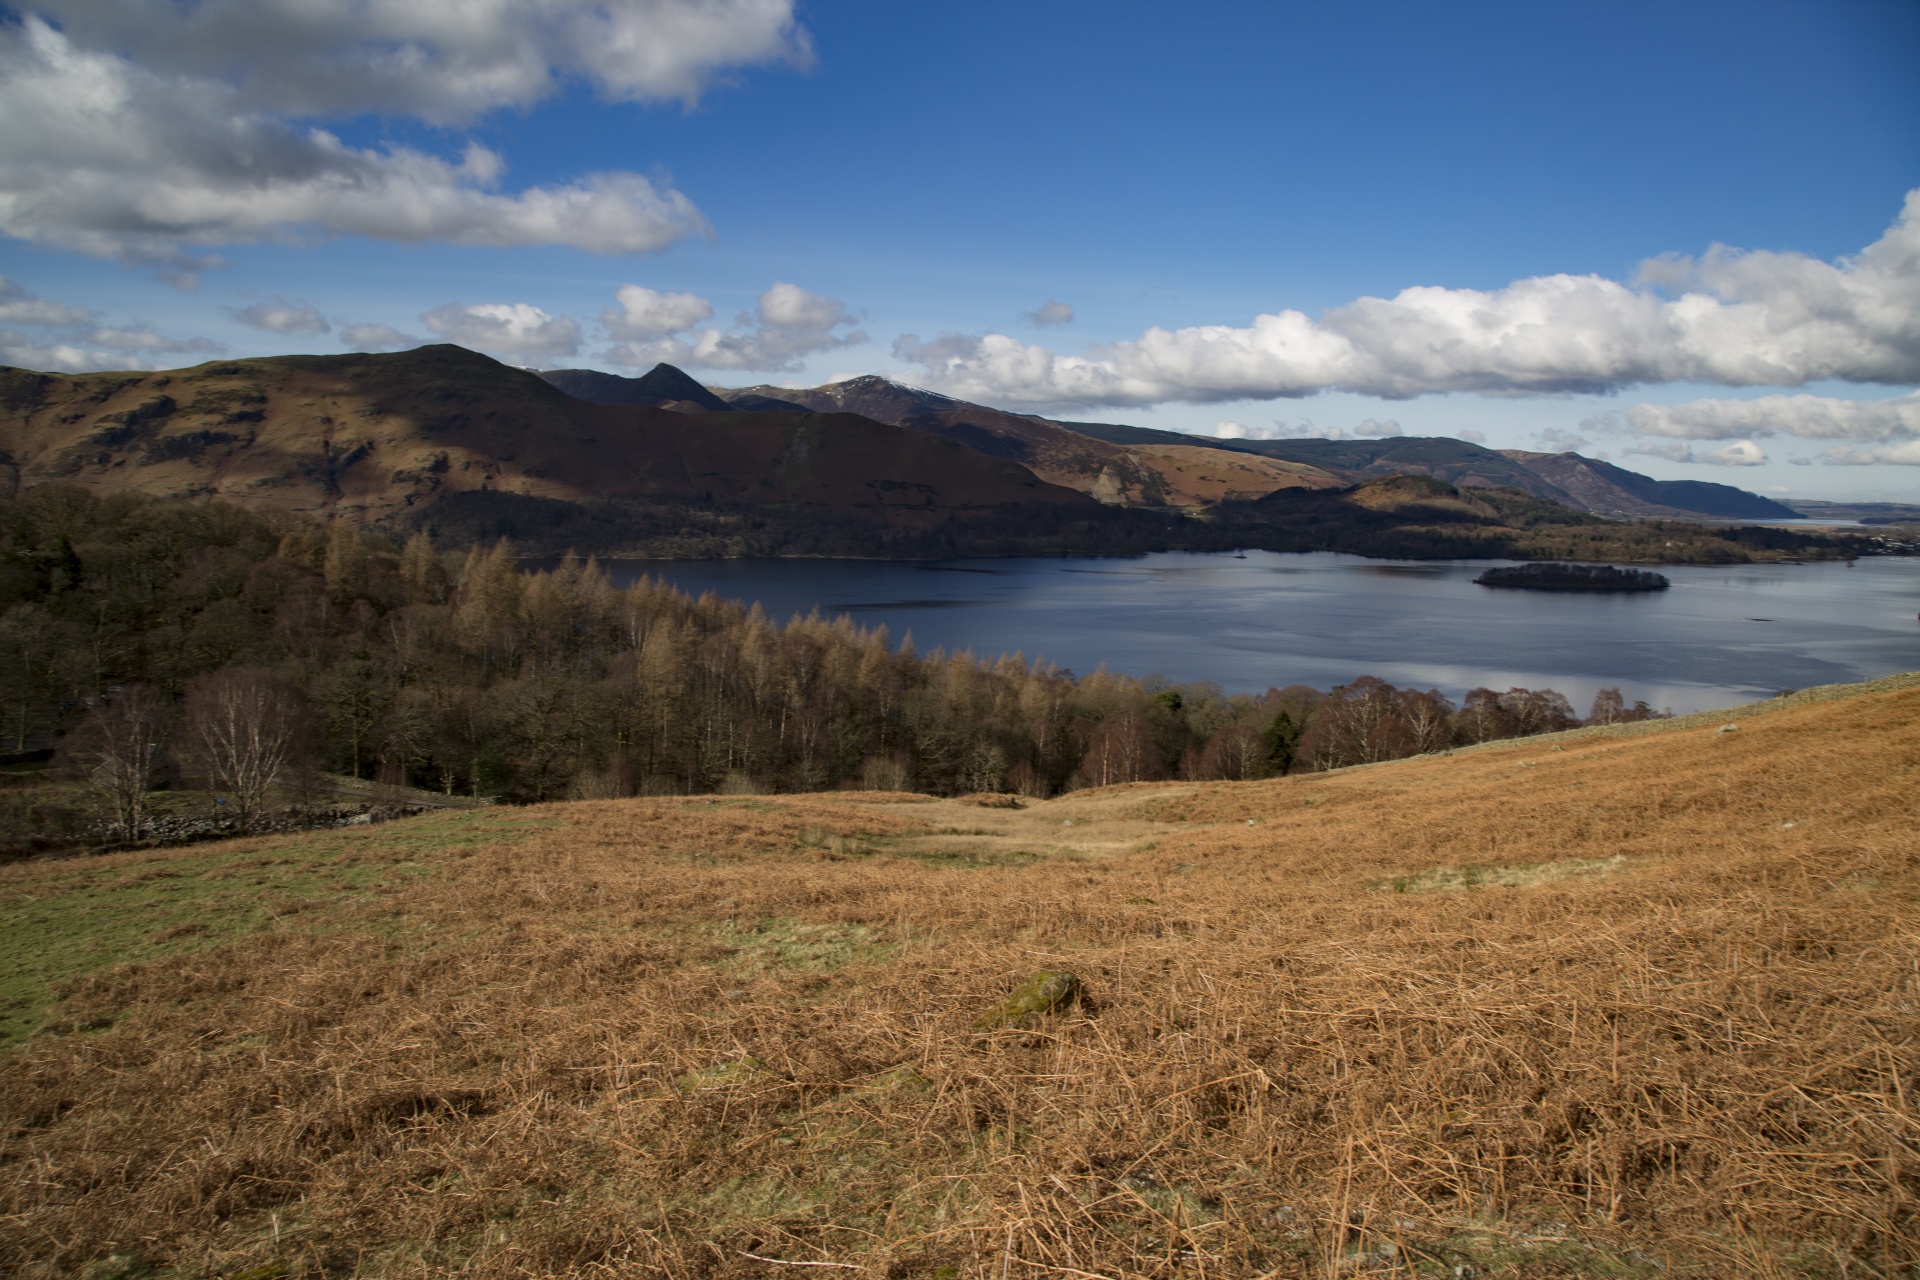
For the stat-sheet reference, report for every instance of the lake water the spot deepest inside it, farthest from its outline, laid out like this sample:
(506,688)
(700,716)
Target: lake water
(1719,636)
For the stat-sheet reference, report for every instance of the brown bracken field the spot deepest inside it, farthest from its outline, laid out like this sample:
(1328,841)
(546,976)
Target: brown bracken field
(1622,1002)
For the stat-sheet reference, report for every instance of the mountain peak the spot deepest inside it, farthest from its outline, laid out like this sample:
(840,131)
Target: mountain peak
(662,384)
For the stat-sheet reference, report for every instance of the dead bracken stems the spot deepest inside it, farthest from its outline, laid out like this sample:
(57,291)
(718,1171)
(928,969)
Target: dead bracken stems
(1639,1022)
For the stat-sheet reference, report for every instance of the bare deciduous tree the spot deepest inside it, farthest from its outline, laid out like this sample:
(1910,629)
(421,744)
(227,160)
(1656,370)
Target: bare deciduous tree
(1120,751)
(247,728)
(119,750)
(1235,752)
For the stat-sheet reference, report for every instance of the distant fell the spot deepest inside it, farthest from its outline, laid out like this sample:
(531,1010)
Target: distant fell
(367,437)
(1585,484)
(1454,461)
(1051,452)
(870,396)
(1604,489)
(1165,470)
(662,385)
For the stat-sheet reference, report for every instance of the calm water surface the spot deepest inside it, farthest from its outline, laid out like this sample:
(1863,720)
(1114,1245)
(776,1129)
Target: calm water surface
(1720,636)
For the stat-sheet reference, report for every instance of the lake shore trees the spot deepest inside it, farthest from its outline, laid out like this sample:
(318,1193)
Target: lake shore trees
(460,671)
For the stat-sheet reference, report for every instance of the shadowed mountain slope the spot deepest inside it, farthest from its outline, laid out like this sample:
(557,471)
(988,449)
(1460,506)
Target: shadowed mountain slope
(663,386)
(1058,456)
(1607,490)
(368,436)
(1172,471)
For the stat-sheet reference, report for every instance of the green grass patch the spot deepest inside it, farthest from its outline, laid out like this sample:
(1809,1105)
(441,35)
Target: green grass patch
(796,944)
(63,920)
(978,856)
(1516,876)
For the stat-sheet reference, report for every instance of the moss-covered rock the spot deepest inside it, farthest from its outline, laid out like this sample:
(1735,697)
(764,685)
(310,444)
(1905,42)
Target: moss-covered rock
(1045,992)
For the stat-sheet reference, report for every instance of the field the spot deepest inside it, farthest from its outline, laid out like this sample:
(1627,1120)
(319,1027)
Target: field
(1612,1003)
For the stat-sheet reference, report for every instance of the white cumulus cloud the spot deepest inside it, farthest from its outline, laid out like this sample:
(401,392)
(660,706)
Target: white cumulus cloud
(1048,312)
(788,323)
(788,306)
(645,313)
(447,61)
(72,341)
(1558,440)
(1741,453)
(18,305)
(1671,450)
(1472,437)
(516,331)
(1869,432)
(1729,317)
(1904,454)
(278,315)
(1806,416)
(377,337)
(150,132)
(94,349)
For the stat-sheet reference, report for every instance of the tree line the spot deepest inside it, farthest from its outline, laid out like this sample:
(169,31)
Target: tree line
(156,641)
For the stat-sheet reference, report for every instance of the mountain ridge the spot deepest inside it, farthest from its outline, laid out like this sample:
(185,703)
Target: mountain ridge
(370,436)
(1588,484)
(1606,489)
(1178,471)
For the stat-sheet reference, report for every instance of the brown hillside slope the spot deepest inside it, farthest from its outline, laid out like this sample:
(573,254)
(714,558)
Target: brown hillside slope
(1607,490)
(1183,474)
(1059,456)
(1624,1004)
(1195,475)
(365,436)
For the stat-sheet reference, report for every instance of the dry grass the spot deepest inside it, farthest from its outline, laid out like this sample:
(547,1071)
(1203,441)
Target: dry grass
(725,1037)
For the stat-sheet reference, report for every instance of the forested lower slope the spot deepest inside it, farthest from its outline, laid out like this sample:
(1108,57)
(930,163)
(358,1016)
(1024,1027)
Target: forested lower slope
(1633,1002)
(463,672)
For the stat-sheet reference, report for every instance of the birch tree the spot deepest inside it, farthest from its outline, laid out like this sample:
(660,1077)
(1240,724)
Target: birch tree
(119,750)
(245,726)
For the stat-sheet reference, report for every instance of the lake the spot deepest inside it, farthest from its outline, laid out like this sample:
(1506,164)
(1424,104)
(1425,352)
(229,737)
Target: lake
(1719,636)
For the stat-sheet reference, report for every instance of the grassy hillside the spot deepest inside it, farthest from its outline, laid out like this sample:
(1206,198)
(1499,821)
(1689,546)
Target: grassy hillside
(1443,458)
(1617,1003)
(370,437)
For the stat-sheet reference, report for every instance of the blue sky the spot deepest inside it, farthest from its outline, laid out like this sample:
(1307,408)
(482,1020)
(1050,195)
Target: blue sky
(793,193)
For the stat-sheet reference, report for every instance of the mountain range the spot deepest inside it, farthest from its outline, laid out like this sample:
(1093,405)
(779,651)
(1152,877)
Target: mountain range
(368,436)
(448,440)
(1141,466)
